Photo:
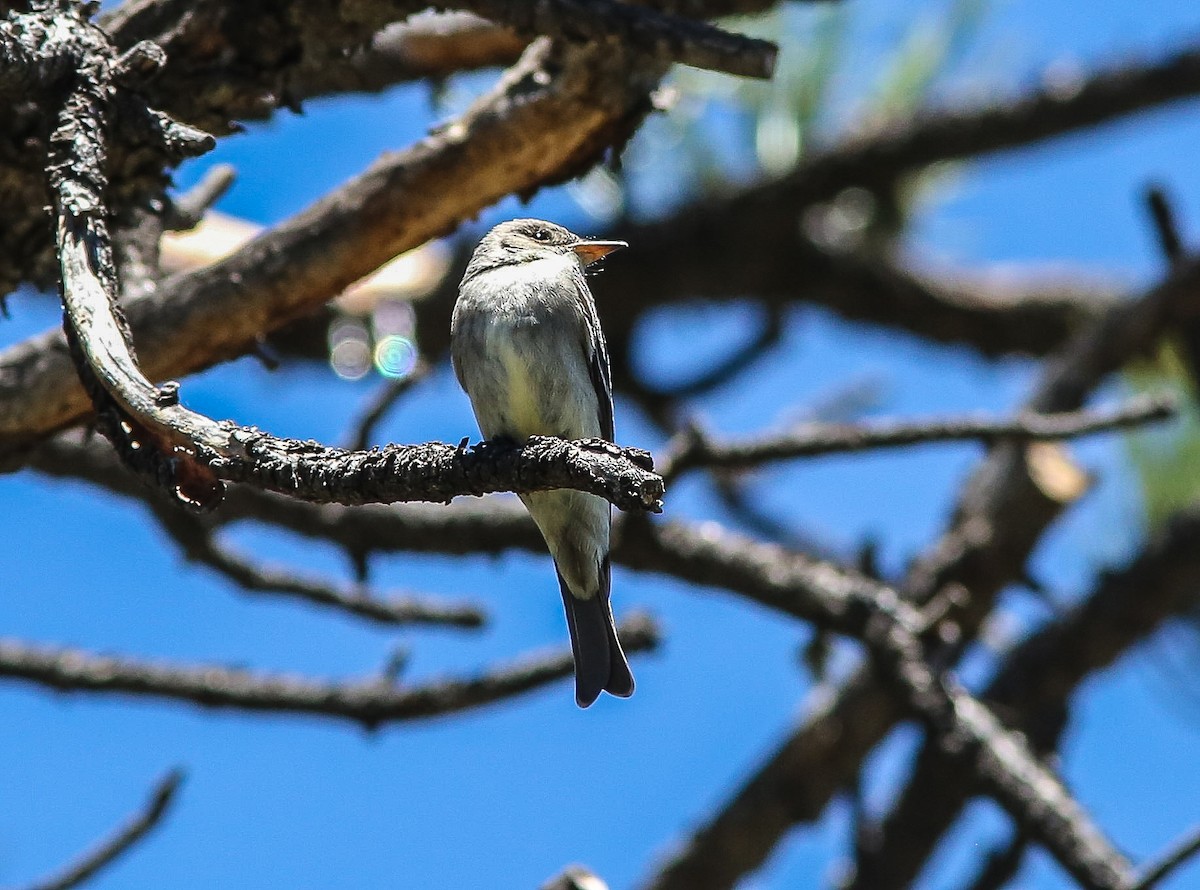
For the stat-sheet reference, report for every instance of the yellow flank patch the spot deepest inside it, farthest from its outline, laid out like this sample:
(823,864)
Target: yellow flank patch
(524,410)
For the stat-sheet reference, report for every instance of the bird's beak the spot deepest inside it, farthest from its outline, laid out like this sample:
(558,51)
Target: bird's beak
(590,251)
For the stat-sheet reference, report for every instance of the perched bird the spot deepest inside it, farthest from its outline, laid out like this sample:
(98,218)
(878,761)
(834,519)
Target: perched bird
(528,350)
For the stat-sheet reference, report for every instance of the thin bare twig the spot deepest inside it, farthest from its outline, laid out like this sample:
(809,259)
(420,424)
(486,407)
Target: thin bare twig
(381,403)
(695,449)
(122,841)
(1157,872)
(186,211)
(369,703)
(199,544)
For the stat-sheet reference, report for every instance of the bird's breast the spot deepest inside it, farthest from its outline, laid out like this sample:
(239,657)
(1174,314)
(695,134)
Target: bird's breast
(521,377)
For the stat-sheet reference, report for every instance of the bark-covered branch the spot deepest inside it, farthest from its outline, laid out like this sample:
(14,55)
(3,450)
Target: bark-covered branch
(187,452)
(125,838)
(552,115)
(662,36)
(753,242)
(1001,515)
(368,702)
(1033,688)
(199,544)
(694,448)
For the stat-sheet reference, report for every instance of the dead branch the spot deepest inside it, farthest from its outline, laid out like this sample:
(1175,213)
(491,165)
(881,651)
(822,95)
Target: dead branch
(567,110)
(663,37)
(184,451)
(694,448)
(1033,688)
(122,841)
(369,702)
(1001,515)
(199,544)
(383,401)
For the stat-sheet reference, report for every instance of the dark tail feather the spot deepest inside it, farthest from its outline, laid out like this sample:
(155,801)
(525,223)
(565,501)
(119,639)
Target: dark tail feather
(599,661)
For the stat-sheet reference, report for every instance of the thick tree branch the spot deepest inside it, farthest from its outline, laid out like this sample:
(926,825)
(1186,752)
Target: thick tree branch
(1033,688)
(369,703)
(1002,513)
(663,37)
(122,841)
(185,451)
(433,46)
(550,116)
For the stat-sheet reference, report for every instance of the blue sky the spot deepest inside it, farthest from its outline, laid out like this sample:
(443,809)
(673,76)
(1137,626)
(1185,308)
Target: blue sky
(507,796)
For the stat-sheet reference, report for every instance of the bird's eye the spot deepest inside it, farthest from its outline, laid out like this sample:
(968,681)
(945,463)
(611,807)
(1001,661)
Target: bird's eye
(541,235)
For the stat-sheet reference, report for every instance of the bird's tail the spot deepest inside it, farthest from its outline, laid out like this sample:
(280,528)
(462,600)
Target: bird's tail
(599,660)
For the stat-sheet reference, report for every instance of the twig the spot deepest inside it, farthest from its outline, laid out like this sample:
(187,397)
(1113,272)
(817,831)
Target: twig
(1001,864)
(198,544)
(368,703)
(666,38)
(186,211)
(1156,872)
(122,841)
(1162,214)
(694,449)
(381,403)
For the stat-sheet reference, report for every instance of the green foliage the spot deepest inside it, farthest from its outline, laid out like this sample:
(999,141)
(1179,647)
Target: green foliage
(1166,460)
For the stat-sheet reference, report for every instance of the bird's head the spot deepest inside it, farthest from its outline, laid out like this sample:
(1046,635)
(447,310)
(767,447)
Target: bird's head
(526,240)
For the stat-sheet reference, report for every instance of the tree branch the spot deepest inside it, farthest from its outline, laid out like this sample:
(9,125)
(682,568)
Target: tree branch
(187,452)
(548,118)
(1033,687)
(663,37)
(199,544)
(693,448)
(1001,515)
(369,703)
(122,841)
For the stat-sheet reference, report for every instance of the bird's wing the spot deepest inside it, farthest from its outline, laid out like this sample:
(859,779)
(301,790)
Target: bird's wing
(597,356)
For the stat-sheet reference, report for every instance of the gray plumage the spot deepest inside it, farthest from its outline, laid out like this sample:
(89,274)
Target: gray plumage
(528,350)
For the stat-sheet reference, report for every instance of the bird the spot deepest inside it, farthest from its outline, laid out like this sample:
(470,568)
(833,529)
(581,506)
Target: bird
(527,348)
